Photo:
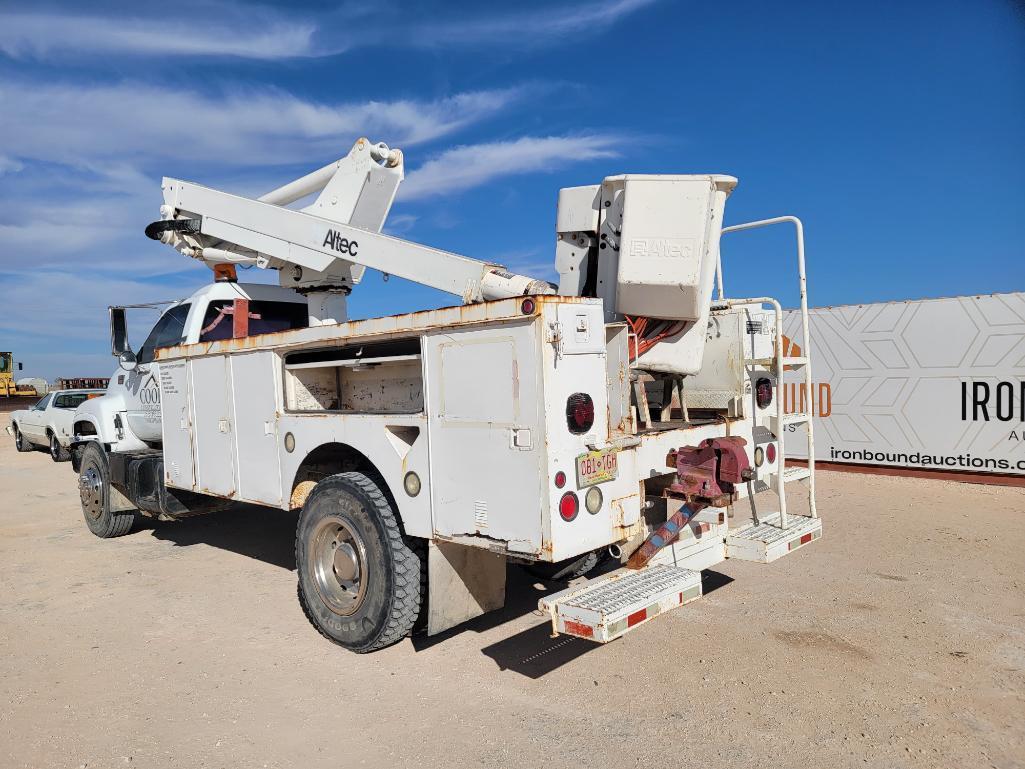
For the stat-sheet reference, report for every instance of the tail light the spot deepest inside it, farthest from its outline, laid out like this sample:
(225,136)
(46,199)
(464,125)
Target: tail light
(560,479)
(579,413)
(569,506)
(770,453)
(763,392)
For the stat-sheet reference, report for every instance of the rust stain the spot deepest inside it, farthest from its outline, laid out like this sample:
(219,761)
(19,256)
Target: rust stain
(300,493)
(386,326)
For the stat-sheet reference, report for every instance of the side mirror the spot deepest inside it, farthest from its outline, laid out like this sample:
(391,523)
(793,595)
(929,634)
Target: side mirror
(118,332)
(20,366)
(127,360)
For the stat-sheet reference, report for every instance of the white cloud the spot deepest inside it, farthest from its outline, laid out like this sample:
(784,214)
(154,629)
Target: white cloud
(134,123)
(526,29)
(238,30)
(44,35)
(9,165)
(73,306)
(464,167)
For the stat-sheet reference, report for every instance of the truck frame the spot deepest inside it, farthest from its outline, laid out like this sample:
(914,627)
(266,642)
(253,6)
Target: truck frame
(532,424)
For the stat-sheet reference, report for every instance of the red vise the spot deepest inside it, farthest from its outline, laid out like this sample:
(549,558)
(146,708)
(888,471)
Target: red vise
(710,470)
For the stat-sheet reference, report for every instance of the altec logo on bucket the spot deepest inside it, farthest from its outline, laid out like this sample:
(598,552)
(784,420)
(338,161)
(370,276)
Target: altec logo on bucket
(795,395)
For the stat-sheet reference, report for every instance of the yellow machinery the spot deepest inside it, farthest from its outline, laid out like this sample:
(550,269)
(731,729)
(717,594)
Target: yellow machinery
(7,386)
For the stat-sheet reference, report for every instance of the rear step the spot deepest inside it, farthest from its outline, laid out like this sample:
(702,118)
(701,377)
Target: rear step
(605,608)
(766,541)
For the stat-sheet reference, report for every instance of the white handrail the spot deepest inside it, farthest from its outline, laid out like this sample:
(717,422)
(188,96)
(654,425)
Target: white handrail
(799,227)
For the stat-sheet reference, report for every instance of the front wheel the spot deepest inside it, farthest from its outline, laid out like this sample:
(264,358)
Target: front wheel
(58,453)
(94,489)
(359,576)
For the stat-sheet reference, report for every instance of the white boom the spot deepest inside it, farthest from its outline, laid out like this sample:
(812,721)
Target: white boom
(323,249)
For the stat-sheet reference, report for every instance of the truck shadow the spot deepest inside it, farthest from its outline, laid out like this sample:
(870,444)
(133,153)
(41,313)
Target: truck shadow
(268,535)
(264,533)
(532,652)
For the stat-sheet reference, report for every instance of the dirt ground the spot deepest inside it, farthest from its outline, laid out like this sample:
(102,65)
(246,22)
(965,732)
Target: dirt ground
(898,639)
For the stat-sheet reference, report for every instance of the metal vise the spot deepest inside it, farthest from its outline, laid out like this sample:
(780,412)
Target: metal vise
(709,471)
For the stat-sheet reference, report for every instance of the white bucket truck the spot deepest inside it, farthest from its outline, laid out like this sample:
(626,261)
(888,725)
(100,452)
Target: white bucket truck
(623,413)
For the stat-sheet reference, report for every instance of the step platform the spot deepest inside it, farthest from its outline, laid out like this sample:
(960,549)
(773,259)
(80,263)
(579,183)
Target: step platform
(766,541)
(609,606)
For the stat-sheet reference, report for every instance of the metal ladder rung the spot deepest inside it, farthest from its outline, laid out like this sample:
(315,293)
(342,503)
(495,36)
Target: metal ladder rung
(790,474)
(795,473)
(788,419)
(770,363)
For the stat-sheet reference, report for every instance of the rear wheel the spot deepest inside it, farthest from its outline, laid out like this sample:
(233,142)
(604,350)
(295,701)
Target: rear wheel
(94,490)
(359,576)
(20,443)
(57,452)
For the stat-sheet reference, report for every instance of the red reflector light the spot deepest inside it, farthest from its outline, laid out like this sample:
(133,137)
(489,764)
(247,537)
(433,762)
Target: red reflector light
(528,306)
(806,539)
(770,452)
(569,506)
(579,413)
(560,479)
(763,392)
(637,616)
(579,629)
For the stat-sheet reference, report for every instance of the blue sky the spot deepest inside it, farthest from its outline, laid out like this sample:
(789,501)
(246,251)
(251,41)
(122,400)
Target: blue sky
(895,130)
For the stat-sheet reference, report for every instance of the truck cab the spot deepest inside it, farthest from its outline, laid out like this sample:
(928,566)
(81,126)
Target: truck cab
(127,417)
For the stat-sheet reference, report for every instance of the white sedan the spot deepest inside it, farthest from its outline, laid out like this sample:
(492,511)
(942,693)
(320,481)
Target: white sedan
(49,422)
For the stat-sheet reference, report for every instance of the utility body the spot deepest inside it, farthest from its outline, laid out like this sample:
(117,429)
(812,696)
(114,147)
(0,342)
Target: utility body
(621,414)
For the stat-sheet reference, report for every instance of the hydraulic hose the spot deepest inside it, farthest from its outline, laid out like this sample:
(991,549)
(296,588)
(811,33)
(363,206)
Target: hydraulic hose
(188,226)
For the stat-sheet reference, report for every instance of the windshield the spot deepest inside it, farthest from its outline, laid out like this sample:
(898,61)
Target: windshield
(5,362)
(168,331)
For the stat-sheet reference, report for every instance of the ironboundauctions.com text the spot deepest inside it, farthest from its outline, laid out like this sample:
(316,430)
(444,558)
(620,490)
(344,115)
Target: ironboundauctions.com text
(964,461)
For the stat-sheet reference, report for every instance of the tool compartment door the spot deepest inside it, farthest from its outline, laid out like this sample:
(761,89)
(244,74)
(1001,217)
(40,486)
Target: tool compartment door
(212,425)
(255,389)
(486,442)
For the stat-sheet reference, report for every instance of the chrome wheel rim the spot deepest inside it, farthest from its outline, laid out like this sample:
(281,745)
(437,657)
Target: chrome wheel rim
(18,440)
(90,489)
(54,450)
(338,559)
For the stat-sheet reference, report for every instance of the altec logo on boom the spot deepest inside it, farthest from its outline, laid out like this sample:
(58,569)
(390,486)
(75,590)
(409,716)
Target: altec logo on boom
(340,244)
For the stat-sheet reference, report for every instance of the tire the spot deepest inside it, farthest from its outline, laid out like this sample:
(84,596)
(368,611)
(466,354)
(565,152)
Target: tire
(360,578)
(57,452)
(94,490)
(564,570)
(21,443)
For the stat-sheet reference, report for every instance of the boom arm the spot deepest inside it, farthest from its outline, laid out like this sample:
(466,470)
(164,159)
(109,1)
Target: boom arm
(324,248)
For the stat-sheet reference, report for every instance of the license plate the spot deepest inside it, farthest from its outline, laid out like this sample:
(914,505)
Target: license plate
(596,467)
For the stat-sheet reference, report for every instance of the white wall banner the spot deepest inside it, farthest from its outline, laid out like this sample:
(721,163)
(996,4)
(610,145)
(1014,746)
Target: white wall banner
(937,384)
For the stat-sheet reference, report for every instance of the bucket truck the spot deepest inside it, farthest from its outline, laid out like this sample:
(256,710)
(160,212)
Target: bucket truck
(620,415)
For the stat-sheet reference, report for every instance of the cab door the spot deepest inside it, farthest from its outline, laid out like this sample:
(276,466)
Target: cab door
(142,384)
(33,424)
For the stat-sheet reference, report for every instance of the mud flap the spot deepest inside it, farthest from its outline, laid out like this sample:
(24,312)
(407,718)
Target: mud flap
(463,583)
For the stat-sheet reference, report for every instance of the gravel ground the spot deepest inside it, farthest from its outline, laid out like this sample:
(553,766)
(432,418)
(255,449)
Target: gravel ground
(898,639)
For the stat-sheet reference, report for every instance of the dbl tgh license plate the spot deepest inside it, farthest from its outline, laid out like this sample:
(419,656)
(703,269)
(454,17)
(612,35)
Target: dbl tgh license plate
(596,467)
